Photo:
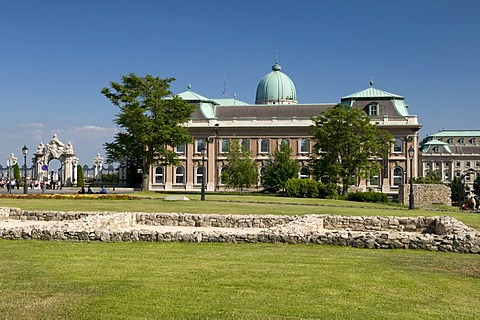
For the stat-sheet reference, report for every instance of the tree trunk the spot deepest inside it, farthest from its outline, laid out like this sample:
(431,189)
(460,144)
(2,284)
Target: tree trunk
(145,181)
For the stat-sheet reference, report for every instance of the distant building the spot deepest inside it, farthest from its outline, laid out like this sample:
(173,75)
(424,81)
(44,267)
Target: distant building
(452,153)
(275,118)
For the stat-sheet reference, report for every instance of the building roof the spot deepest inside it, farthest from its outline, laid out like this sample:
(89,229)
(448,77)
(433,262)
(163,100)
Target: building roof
(372,92)
(276,87)
(193,97)
(230,102)
(305,111)
(456,133)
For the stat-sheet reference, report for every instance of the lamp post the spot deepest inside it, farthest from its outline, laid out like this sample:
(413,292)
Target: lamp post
(25,152)
(202,196)
(411,199)
(51,180)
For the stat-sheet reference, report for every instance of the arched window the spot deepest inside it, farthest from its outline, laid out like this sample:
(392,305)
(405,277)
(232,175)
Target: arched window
(179,175)
(246,145)
(223,171)
(304,146)
(199,174)
(305,173)
(397,176)
(159,175)
(264,146)
(225,146)
(200,145)
(283,142)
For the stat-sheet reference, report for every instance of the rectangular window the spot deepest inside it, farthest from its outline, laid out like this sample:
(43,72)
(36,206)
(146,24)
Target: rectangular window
(468,164)
(398,146)
(458,164)
(374,181)
(304,146)
(180,149)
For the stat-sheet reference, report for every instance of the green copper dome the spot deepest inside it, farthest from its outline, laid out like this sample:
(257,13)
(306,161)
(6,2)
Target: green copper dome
(276,88)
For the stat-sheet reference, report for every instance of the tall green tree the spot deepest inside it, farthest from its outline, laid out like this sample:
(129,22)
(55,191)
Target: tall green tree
(80,176)
(279,168)
(150,122)
(457,188)
(348,146)
(241,171)
(476,186)
(16,173)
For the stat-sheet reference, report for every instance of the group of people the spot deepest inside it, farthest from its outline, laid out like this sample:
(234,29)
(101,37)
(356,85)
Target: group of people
(103,190)
(472,203)
(10,184)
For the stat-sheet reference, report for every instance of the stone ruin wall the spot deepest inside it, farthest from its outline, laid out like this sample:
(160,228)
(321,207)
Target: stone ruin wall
(425,194)
(429,233)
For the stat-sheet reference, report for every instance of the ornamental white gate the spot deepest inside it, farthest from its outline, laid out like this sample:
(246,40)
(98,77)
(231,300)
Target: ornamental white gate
(56,149)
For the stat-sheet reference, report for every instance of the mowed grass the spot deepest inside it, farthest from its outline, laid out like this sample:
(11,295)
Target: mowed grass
(237,204)
(67,280)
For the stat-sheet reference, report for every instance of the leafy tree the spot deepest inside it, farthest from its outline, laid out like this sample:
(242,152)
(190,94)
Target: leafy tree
(16,173)
(150,122)
(80,176)
(241,171)
(457,189)
(476,186)
(348,145)
(279,168)
(431,177)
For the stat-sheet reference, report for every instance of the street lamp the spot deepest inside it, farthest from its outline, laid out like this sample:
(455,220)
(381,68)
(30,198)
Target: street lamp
(203,151)
(25,152)
(51,181)
(411,199)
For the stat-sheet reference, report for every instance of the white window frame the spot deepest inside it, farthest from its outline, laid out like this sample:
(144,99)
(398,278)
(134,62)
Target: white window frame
(180,149)
(198,145)
(304,146)
(373,109)
(179,175)
(224,145)
(199,171)
(159,178)
(397,145)
(397,178)
(261,145)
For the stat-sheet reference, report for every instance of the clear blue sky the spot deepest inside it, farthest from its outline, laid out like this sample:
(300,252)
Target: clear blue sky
(56,56)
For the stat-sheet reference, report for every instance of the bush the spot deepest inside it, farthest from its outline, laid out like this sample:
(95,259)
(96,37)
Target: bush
(306,188)
(367,197)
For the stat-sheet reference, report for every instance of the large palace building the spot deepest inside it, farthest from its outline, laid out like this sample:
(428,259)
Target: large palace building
(452,154)
(275,118)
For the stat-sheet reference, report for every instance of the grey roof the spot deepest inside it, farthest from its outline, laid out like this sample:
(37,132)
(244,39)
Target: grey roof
(305,111)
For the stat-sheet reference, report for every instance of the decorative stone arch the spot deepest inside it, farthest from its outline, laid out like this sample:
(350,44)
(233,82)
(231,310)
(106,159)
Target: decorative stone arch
(56,149)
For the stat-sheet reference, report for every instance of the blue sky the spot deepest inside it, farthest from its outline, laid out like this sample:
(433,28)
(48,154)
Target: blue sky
(56,56)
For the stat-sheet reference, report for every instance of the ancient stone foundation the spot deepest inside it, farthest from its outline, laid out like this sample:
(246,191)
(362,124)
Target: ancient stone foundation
(429,233)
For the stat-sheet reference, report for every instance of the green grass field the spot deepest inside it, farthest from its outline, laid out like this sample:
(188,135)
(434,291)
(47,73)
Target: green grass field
(69,280)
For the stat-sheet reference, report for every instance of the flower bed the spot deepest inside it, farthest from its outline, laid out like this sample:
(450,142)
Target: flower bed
(70,196)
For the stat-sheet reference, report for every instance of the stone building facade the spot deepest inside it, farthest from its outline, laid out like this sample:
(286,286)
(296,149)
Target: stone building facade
(452,153)
(275,118)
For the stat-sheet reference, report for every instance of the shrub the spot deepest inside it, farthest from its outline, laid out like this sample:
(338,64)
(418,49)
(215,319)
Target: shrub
(367,197)
(306,188)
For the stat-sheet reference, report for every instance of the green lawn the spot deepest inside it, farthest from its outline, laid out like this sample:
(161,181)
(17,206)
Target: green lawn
(238,204)
(68,280)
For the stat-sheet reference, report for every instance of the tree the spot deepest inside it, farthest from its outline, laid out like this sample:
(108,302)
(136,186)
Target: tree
(16,173)
(241,171)
(150,122)
(457,188)
(431,177)
(476,186)
(80,176)
(279,168)
(349,146)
